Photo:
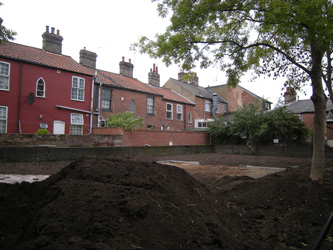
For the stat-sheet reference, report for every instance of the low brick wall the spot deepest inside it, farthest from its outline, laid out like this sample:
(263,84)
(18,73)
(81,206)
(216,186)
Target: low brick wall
(164,138)
(60,140)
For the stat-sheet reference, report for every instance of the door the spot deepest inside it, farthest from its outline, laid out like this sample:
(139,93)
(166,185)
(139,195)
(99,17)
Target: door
(58,127)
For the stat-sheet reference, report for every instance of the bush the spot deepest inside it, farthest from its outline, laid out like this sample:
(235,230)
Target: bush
(260,127)
(43,131)
(126,120)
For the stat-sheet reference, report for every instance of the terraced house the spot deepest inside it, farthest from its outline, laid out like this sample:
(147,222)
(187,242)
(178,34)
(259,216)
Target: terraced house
(41,88)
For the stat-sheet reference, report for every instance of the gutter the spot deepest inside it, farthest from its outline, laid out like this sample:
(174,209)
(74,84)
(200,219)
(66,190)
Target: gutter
(73,109)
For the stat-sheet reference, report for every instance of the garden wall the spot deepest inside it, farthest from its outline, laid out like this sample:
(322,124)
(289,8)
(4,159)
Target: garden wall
(110,137)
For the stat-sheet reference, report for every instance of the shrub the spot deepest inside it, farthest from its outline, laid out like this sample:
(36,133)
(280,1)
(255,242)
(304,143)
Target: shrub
(126,120)
(43,131)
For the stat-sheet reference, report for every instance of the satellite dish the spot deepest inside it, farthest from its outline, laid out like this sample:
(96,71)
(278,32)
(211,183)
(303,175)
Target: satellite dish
(31,98)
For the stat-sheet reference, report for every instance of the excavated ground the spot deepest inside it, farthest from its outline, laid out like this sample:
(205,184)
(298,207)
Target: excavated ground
(116,203)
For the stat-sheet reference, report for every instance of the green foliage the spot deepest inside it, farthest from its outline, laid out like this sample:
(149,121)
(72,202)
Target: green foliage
(271,37)
(5,34)
(260,127)
(126,120)
(43,131)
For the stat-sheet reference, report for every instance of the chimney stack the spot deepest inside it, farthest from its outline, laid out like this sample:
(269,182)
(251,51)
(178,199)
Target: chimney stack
(289,95)
(126,68)
(52,42)
(181,76)
(154,77)
(88,58)
(195,80)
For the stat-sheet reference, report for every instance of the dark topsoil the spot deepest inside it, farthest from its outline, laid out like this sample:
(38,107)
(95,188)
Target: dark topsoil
(115,203)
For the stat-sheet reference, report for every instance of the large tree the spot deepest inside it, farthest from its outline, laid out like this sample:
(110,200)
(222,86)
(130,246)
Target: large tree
(5,34)
(290,38)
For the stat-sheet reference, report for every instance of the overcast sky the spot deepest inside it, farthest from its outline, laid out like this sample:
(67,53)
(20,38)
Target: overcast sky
(108,28)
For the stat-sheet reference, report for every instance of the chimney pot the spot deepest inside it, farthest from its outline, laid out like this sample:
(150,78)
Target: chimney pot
(156,70)
(129,60)
(51,42)
(58,32)
(126,68)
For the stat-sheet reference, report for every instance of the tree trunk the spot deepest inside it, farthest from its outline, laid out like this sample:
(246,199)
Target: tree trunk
(319,100)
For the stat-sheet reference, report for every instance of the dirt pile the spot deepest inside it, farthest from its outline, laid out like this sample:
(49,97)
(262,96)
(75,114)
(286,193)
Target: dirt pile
(121,204)
(112,204)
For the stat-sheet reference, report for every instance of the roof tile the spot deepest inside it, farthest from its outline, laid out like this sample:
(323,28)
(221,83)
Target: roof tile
(38,56)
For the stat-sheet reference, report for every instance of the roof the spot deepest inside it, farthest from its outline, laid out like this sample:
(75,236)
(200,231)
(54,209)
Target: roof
(198,91)
(171,95)
(226,86)
(305,106)
(120,81)
(33,55)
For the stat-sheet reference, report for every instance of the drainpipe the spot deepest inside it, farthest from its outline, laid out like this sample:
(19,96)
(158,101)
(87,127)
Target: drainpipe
(19,102)
(92,101)
(185,115)
(99,102)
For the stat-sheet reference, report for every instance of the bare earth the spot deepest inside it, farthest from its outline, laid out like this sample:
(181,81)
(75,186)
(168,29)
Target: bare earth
(117,203)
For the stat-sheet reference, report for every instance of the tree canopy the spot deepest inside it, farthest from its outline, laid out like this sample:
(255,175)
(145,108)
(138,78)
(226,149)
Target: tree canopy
(291,38)
(254,127)
(5,34)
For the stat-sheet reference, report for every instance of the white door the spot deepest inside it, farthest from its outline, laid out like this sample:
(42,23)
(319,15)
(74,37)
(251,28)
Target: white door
(58,127)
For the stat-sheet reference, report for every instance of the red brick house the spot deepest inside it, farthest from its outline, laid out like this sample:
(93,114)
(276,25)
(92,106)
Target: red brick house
(208,104)
(160,108)
(238,96)
(41,88)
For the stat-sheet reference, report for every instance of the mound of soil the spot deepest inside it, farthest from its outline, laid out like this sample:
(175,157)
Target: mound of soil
(115,203)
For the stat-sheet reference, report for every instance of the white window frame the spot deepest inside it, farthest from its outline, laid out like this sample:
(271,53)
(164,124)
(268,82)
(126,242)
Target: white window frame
(4,119)
(179,112)
(44,87)
(76,121)
(189,117)
(75,95)
(208,106)
(5,75)
(150,105)
(169,111)
(225,107)
(202,123)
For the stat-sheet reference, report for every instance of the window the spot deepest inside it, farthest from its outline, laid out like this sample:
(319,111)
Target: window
(40,88)
(169,111)
(132,106)
(225,108)
(201,123)
(150,105)
(189,117)
(4,76)
(208,105)
(77,89)
(106,99)
(179,112)
(3,119)
(218,108)
(76,124)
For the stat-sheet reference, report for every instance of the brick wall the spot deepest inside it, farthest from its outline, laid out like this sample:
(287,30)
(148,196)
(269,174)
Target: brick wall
(165,138)
(111,137)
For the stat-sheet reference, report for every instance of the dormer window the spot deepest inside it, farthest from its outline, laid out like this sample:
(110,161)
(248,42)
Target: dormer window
(40,88)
